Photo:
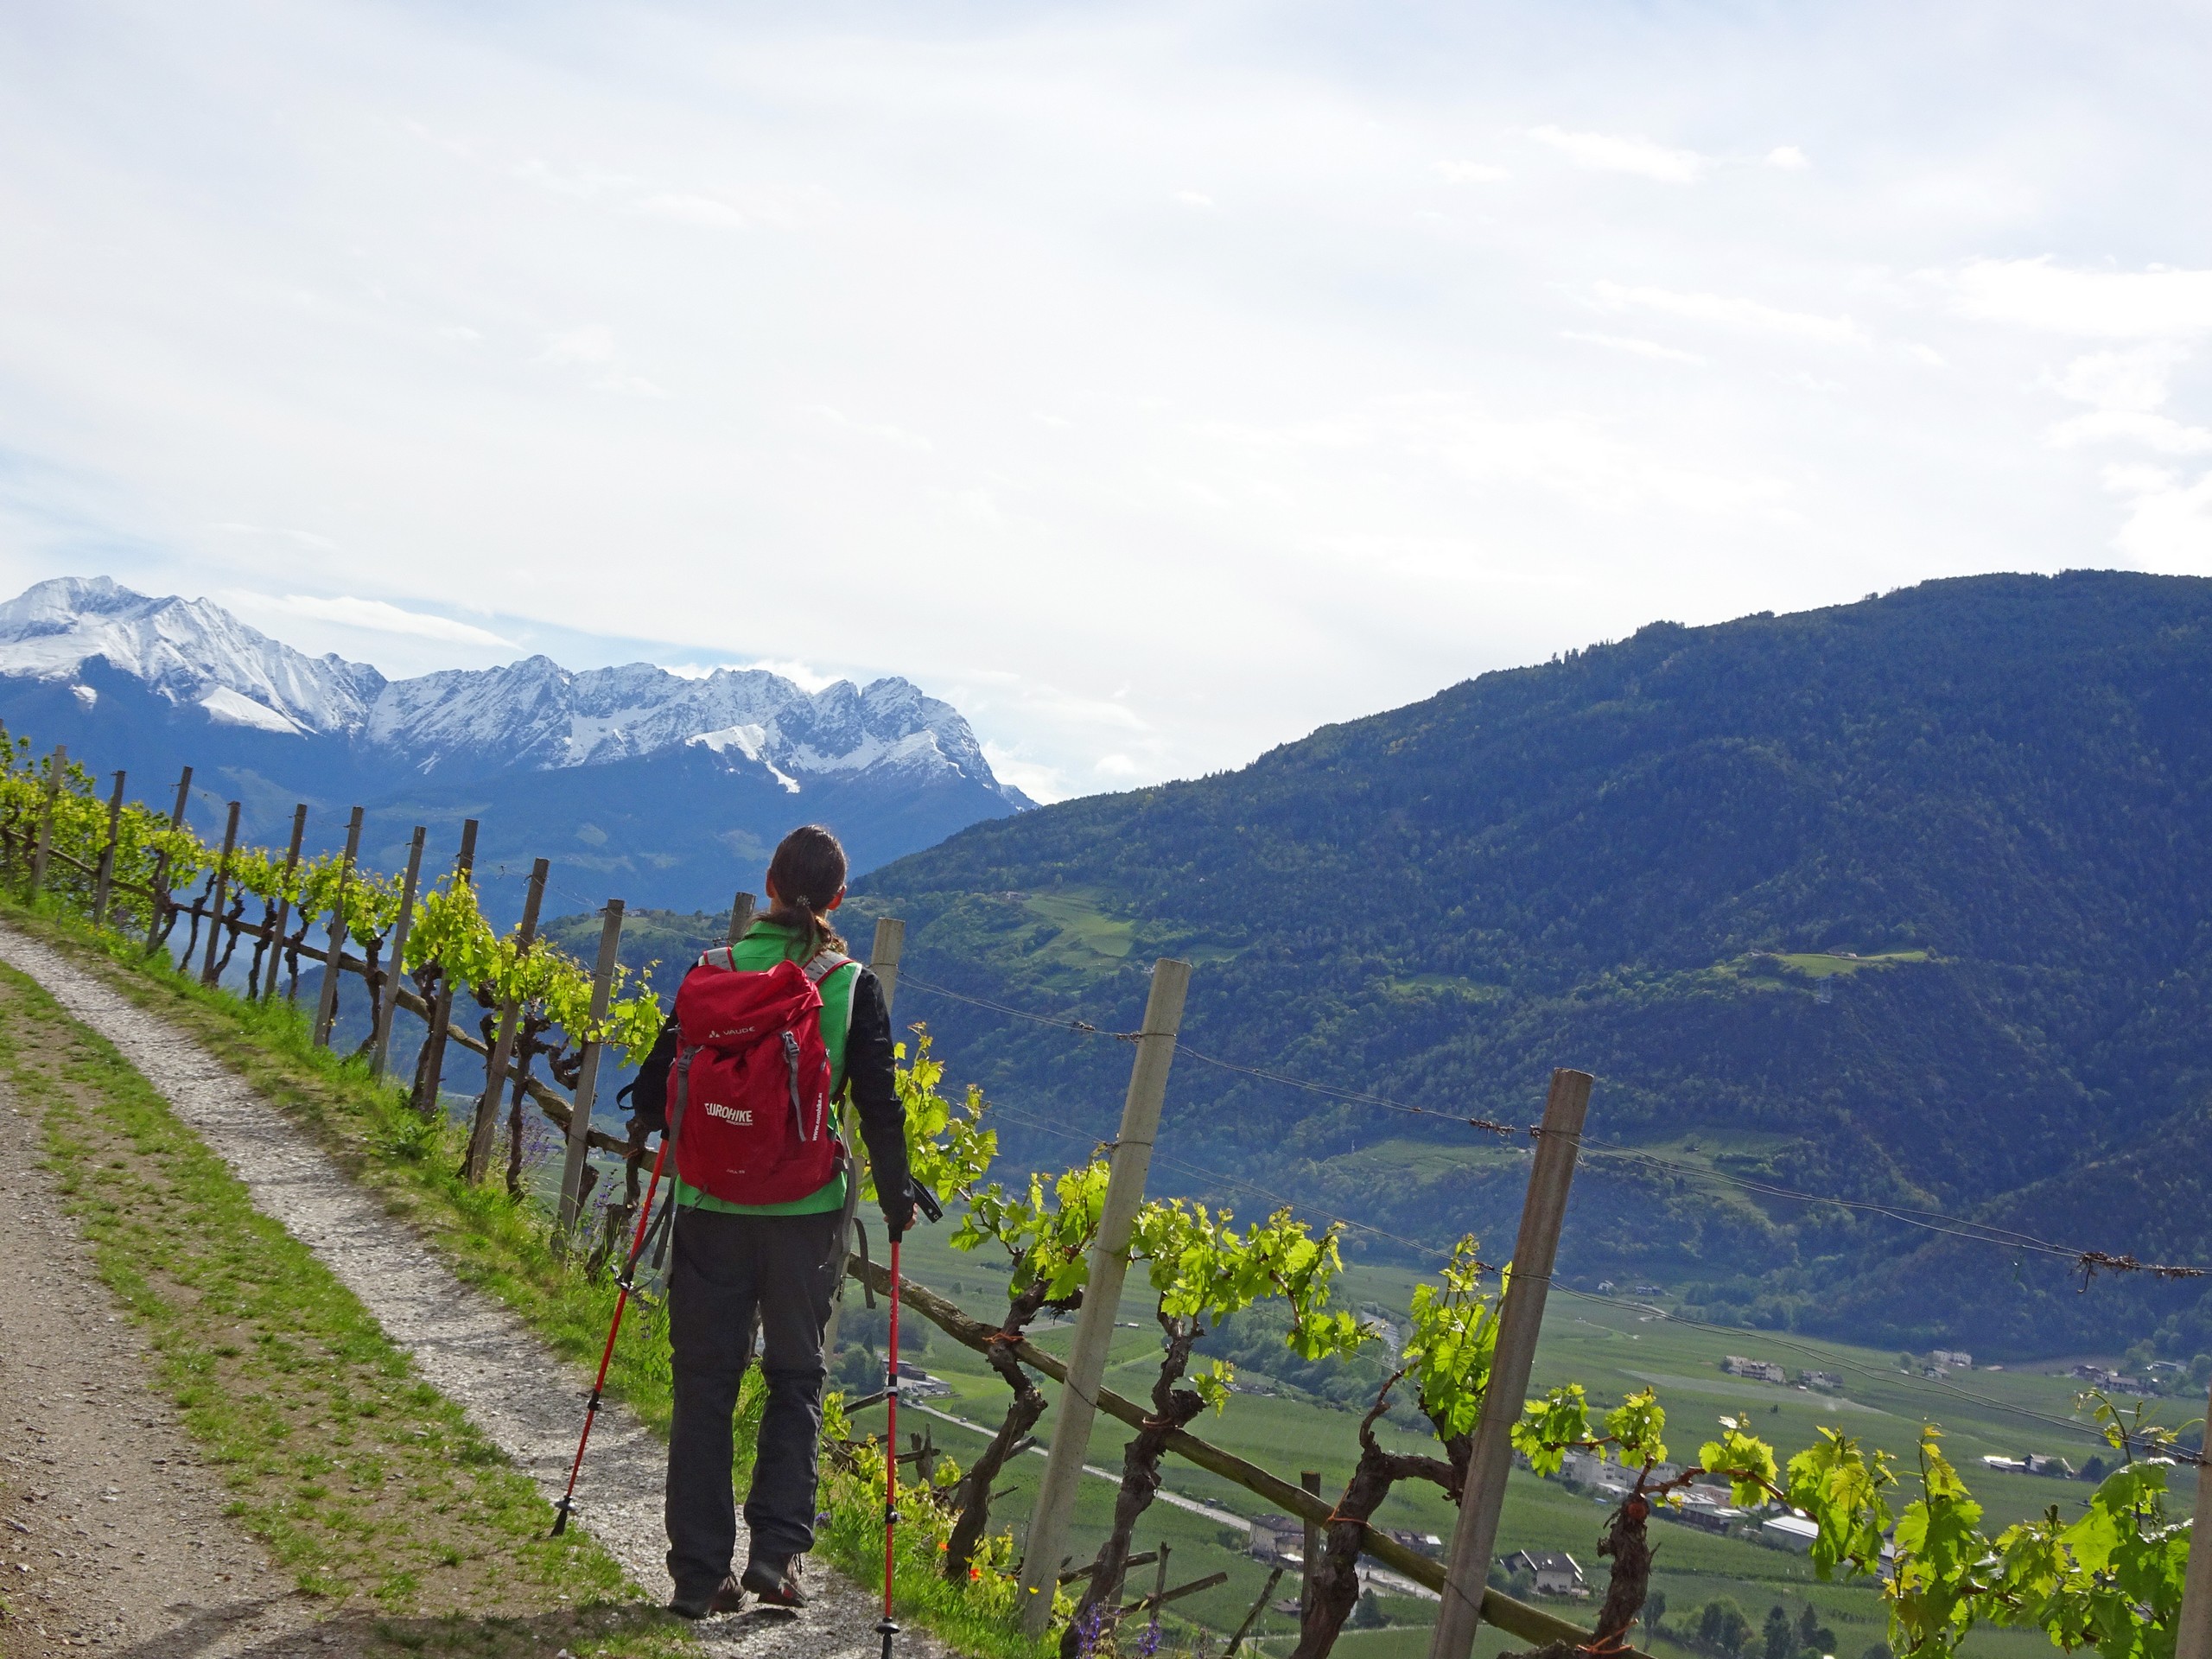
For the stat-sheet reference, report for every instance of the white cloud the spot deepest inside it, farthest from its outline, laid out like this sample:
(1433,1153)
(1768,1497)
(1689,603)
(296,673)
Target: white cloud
(885,431)
(802,675)
(2168,527)
(1787,157)
(1037,781)
(2159,432)
(1119,767)
(593,348)
(1472,173)
(1636,347)
(2153,304)
(1731,310)
(1608,153)
(688,209)
(304,537)
(374,615)
(2134,379)
(1194,198)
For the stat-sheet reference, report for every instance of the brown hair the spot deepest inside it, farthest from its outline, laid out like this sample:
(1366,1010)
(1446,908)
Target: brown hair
(808,871)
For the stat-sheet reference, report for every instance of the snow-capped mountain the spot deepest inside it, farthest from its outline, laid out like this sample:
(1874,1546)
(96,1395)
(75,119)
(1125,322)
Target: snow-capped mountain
(534,713)
(667,776)
(189,651)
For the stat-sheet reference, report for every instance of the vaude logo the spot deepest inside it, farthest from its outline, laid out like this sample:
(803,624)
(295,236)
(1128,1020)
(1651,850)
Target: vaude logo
(739,1116)
(724,1033)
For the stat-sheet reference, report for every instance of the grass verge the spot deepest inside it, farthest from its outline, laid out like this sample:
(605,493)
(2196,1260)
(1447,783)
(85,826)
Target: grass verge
(369,1486)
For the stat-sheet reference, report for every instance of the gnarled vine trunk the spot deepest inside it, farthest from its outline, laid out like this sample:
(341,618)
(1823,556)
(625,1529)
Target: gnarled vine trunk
(973,1495)
(1336,1587)
(1173,1408)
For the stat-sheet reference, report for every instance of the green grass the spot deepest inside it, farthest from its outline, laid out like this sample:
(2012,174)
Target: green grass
(1821,965)
(367,1484)
(1084,929)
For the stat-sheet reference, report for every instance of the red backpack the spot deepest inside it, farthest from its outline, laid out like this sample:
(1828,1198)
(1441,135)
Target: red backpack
(749,1087)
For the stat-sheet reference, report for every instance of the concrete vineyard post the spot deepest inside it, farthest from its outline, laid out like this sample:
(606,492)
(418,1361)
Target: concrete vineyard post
(741,917)
(159,887)
(388,1003)
(103,883)
(587,1092)
(326,1008)
(2193,1632)
(1101,1298)
(283,916)
(54,766)
(1557,1142)
(495,1071)
(222,893)
(883,959)
(1310,1558)
(431,1075)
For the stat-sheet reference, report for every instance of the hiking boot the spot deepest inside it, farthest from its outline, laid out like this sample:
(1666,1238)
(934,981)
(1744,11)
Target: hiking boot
(724,1597)
(774,1583)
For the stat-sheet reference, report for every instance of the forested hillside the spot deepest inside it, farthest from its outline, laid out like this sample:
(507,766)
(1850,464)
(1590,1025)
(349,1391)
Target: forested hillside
(1905,900)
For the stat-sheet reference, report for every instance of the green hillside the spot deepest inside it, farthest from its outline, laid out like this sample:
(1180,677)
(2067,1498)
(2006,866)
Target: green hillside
(1903,900)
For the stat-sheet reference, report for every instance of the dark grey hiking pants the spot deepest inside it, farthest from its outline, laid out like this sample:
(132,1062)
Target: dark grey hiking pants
(727,1268)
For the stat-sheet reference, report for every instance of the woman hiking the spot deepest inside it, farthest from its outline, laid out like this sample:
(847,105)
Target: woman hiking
(776,1259)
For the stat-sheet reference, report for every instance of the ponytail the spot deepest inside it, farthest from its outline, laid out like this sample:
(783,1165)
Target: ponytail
(808,871)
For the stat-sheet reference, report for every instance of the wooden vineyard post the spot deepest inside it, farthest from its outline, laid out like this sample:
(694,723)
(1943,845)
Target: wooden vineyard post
(1491,1461)
(222,892)
(1101,1298)
(388,1003)
(159,888)
(326,1007)
(283,917)
(2193,1633)
(431,1068)
(883,960)
(495,1069)
(103,883)
(54,764)
(741,917)
(572,1161)
(1310,1558)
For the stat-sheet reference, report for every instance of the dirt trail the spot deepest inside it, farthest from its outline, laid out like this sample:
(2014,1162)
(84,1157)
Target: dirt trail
(111,1534)
(466,1344)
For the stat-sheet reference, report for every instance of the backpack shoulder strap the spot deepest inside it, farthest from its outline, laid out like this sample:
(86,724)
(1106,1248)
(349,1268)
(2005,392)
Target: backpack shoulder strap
(825,963)
(721,957)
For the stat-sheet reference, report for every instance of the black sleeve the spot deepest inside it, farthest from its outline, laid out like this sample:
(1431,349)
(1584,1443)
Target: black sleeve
(870,1073)
(648,1090)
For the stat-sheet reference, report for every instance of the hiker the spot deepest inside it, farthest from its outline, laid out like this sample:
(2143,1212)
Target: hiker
(777,1262)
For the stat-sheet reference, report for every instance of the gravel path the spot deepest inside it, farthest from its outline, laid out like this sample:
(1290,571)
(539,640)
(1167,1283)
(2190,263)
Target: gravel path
(466,1344)
(112,1534)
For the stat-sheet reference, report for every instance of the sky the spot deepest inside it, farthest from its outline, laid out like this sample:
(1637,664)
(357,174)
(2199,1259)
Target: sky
(1156,383)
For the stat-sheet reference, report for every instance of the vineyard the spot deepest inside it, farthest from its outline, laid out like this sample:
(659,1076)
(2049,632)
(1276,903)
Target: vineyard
(245,919)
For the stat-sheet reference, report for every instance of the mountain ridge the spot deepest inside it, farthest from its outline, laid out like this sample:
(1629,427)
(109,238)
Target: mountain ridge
(671,788)
(533,711)
(1908,902)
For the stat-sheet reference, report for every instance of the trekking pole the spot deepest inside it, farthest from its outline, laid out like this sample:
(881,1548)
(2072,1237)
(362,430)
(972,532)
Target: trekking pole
(889,1627)
(625,1283)
(925,1202)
